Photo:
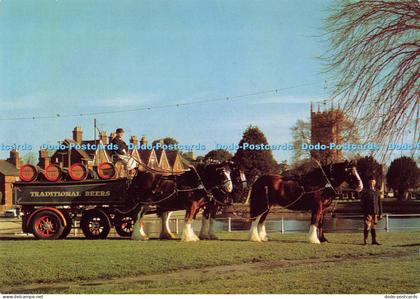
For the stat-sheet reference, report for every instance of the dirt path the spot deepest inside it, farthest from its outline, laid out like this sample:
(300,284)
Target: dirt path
(187,274)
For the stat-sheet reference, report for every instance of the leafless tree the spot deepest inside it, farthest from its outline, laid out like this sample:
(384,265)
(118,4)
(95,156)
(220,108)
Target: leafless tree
(374,59)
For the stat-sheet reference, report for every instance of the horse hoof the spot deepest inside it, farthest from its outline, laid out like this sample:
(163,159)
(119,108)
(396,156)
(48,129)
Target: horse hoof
(213,237)
(141,238)
(314,241)
(167,237)
(190,240)
(255,239)
(204,237)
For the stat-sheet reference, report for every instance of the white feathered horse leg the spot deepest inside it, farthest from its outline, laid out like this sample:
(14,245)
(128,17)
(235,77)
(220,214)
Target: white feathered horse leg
(313,234)
(262,233)
(212,235)
(205,226)
(138,228)
(253,231)
(313,228)
(165,232)
(188,234)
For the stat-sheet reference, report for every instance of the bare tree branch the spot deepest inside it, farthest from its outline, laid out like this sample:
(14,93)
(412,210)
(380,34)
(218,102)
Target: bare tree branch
(374,60)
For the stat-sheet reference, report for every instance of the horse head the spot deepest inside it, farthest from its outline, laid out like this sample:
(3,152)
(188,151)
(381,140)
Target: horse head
(347,172)
(217,175)
(238,176)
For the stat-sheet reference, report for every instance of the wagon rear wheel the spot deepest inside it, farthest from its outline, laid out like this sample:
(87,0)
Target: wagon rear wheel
(95,224)
(47,225)
(124,225)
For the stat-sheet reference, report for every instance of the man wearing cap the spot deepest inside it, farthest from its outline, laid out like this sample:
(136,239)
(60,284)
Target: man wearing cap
(121,148)
(372,210)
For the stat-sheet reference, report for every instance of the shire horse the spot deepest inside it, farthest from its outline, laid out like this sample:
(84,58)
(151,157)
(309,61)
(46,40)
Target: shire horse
(313,191)
(188,191)
(220,198)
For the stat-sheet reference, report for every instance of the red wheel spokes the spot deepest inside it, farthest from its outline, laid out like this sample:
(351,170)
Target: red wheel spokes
(45,226)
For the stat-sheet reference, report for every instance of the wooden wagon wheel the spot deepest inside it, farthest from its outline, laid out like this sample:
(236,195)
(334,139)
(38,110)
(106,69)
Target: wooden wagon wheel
(95,224)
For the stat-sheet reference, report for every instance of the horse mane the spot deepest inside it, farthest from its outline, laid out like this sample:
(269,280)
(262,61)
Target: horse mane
(309,171)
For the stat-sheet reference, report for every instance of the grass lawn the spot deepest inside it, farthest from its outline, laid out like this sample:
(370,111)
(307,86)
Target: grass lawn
(286,264)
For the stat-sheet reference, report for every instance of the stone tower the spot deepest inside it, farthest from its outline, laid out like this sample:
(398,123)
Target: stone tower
(326,128)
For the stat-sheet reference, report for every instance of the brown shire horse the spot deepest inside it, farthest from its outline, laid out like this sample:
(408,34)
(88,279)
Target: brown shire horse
(313,191)
(188,191)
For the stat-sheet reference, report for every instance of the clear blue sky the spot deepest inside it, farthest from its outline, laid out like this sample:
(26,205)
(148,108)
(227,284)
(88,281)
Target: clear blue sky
(60,57)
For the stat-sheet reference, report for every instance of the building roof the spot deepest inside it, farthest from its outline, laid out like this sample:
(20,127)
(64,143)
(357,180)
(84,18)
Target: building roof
(159,153)
(82,152)
(7,168)
(171,155)
(90,152)
(145,155)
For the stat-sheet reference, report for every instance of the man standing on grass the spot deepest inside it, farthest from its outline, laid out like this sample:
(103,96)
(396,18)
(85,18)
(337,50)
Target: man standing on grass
(372,210)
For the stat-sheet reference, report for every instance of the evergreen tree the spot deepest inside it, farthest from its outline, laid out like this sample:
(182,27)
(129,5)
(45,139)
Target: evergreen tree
(403,174)
(220,155)
(367,167)
(255,162)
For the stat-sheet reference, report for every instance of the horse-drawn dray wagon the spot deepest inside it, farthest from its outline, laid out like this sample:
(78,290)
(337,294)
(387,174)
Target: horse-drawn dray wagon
(49,207)
(51,198)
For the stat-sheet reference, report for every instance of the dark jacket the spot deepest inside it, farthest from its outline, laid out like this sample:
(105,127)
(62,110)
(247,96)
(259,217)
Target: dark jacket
(121,146)
(371,202)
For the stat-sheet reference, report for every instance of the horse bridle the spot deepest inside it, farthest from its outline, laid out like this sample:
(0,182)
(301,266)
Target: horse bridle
(329,183)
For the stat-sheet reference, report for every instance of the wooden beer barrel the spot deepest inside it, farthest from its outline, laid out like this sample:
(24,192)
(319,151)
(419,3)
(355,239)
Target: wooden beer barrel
(28,173)
(53,173)
(78,172)
(106,170)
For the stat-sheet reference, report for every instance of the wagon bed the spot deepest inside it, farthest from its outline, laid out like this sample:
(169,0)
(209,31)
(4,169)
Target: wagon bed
(89,192)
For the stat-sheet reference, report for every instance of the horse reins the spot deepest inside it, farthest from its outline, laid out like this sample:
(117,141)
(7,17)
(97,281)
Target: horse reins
(201,185)
(328,185)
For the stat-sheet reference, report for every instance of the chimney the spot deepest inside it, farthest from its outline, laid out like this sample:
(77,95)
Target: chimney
(44,160)
(103,137)
(111,136)
(78,134)
(134,140)
(14,158)
(143,140)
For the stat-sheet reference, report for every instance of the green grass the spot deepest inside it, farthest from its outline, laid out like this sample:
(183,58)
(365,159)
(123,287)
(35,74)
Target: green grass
(287,264)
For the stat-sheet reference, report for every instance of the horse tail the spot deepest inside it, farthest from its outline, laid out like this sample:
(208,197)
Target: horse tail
(255,202)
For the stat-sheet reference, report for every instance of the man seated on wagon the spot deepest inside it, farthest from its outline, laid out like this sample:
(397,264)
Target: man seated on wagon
(120,147)
(120,154)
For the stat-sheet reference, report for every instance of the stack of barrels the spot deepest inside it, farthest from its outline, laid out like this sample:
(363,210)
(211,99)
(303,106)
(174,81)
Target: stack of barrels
(56,173)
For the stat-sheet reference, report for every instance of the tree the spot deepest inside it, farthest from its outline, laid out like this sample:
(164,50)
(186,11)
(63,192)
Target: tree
(369,167)
(30,158)
(220,155)
(301,133)
(255,162)
(165,141)
(403,174)
(374,63)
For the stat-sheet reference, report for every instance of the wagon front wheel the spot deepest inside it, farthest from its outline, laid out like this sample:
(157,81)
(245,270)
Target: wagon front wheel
(47,225)
(95,224)
(124,225)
